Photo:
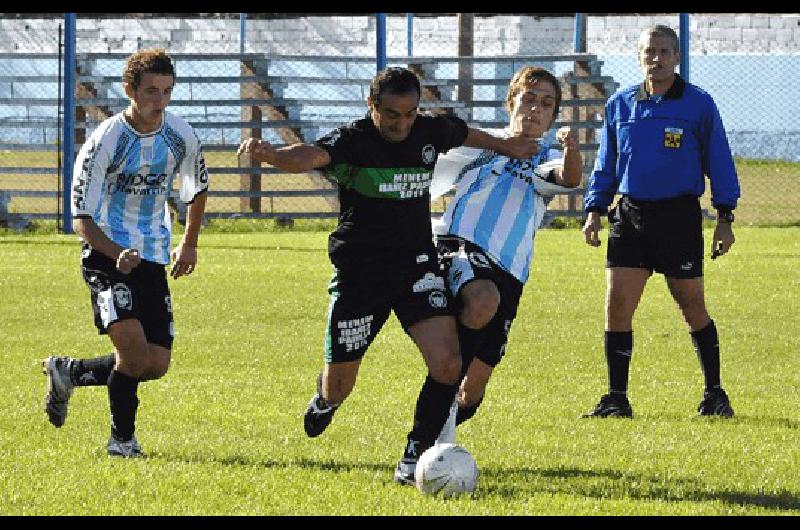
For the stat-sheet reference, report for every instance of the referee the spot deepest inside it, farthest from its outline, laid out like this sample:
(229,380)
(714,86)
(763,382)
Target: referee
(660,139)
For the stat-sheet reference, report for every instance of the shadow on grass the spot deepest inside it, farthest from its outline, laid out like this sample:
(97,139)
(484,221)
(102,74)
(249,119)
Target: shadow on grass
(769,421)
(606,484)
(738,419)
(520,482)
(249,461)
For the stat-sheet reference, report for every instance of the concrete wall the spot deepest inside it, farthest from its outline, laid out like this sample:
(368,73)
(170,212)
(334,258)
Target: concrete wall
(355,35)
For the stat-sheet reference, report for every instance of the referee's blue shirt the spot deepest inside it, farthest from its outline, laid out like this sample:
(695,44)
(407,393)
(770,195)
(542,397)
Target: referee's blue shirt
(654,148)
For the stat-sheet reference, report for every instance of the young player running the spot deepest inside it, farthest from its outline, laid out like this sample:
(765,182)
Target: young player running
(123,175)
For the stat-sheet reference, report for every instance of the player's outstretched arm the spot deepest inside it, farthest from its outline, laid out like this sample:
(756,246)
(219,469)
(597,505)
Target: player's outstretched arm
(514,147)
(295,158)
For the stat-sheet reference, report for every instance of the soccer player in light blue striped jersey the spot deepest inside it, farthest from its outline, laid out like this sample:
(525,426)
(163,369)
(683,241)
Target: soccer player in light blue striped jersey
(122,178)
(486,235)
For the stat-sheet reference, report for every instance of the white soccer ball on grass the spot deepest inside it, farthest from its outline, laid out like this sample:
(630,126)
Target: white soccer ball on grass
(447,470)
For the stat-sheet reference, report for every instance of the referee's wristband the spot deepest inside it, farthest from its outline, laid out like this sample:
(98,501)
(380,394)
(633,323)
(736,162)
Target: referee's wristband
(725,215)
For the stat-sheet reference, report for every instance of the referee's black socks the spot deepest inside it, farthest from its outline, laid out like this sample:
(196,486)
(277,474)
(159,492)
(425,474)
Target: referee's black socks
(706,344)
(619,348)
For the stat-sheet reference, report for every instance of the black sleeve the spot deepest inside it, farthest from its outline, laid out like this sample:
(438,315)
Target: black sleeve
(454,131)
(338,144)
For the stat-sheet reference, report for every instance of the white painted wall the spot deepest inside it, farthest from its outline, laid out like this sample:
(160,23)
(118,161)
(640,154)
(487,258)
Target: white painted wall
(355,35)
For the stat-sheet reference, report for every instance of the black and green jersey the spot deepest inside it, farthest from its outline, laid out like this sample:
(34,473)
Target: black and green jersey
(383,188)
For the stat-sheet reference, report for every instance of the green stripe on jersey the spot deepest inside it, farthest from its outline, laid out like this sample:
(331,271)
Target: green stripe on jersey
(384,183)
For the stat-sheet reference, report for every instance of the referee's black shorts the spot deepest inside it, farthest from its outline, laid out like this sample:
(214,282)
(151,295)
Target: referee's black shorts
(664,236)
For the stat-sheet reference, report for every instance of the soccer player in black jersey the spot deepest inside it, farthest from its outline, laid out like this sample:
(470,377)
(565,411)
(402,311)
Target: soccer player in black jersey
(382,250)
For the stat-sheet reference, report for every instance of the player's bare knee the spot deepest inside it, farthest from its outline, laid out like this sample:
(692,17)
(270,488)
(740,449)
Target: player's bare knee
(619,314)
(157,370)
(481,300)
(479,312)
(136,368)
(446,370)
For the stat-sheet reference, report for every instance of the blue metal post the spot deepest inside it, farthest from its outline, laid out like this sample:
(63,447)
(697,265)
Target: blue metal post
(684,38)
(380,33)
(579,39)
(410,34)
(68,133)
(242,31)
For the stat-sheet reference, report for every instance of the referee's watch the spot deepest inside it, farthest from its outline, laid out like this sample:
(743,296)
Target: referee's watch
(725,215)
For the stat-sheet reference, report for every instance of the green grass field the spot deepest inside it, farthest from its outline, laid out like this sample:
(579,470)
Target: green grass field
(223,429)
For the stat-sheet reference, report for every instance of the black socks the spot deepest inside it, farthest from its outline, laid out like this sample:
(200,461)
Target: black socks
(92,372)
(619,348)
(123,400)
(430,415)
(706,344)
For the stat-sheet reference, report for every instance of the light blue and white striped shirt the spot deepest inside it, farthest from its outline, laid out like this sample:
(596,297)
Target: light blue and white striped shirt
(122,179)
(499,204)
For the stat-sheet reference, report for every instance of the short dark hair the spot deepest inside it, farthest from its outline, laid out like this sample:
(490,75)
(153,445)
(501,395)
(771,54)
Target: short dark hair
(527,75)
(149,61)
(393,80)
(663,31)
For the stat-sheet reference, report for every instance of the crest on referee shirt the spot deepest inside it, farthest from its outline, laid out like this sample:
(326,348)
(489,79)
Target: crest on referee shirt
(672,137)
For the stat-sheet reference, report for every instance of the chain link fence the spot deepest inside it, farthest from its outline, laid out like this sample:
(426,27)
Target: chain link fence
(294,78)
(30,113)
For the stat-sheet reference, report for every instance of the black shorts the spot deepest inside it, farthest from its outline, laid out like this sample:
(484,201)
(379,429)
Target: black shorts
(463,262)
(664,236)
(361,303)
(143,294)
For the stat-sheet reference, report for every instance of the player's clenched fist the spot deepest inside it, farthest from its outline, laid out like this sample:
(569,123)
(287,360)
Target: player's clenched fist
(128,260)
(520,147)
(259,150)
(567,137)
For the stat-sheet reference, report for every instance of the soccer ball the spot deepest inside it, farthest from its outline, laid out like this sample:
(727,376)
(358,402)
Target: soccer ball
(446,470)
